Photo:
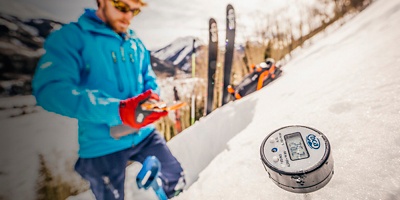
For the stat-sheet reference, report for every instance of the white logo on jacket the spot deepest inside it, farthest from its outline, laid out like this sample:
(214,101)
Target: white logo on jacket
(46,65)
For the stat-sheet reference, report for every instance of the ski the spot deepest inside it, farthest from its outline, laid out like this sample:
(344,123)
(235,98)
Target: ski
(229,51)
(212,63)
(193,98)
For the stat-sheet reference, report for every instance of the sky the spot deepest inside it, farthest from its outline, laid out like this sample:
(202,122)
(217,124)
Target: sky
(162,21)
(346,84)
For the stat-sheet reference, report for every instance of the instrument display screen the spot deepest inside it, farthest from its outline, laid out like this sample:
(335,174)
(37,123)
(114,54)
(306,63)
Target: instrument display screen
(295,144)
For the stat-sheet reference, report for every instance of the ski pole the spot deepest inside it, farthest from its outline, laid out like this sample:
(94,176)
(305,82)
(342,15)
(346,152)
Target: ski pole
(192,113)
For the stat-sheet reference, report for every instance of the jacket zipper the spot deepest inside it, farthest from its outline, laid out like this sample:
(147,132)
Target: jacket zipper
(131,57)
(117,72)
(134,70)
(122,53)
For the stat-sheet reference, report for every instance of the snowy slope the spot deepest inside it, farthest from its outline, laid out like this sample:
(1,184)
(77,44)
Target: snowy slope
(23,138)
(178,52)
(347,85)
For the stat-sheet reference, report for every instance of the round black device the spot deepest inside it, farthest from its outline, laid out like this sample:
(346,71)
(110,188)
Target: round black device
(297,158)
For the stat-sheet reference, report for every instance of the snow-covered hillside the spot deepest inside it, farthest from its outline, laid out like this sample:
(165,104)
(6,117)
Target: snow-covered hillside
(347,85)
(178,52)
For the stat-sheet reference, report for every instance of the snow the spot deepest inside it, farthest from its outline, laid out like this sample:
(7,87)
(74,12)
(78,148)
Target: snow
(17,101)
(178,45)
(8,24)
(178,50)
(23,139)
(346,85)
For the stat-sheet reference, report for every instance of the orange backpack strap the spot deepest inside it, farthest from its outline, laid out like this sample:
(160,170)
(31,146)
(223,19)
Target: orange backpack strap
(272,71)
(261,79)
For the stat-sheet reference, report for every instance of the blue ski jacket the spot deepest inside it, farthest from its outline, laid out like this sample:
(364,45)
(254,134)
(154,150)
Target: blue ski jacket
(86,70)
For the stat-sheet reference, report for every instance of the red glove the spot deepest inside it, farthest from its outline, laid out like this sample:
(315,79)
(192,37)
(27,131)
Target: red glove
(132,114)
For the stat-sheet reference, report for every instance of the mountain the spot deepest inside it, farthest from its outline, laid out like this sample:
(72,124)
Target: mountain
(21,42)
(178,53)
(162,68)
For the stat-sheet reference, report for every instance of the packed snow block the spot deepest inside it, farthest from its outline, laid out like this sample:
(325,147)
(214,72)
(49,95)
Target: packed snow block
(23,139)
(199,144)
(17,102)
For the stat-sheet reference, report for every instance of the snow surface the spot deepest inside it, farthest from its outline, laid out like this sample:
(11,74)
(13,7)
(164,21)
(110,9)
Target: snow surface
(23,138)
(346,85)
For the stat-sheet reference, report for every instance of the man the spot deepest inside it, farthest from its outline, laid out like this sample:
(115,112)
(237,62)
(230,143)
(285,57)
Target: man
(97,71)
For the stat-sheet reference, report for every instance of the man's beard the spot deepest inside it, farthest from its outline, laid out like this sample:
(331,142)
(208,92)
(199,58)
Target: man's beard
(116,23)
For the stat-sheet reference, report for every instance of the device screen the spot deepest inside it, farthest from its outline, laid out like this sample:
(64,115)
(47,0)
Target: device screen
(296,147)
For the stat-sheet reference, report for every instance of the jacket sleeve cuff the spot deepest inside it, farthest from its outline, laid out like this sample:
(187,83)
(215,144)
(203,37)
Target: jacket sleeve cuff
(115,118)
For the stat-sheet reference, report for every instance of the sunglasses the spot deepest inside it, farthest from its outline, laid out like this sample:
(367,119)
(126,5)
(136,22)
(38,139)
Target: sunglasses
(123,7)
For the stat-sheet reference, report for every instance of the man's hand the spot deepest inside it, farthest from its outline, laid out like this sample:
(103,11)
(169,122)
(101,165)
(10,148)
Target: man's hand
(132,114)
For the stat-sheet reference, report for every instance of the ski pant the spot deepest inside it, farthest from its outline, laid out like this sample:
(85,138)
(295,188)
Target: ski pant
(106,174)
